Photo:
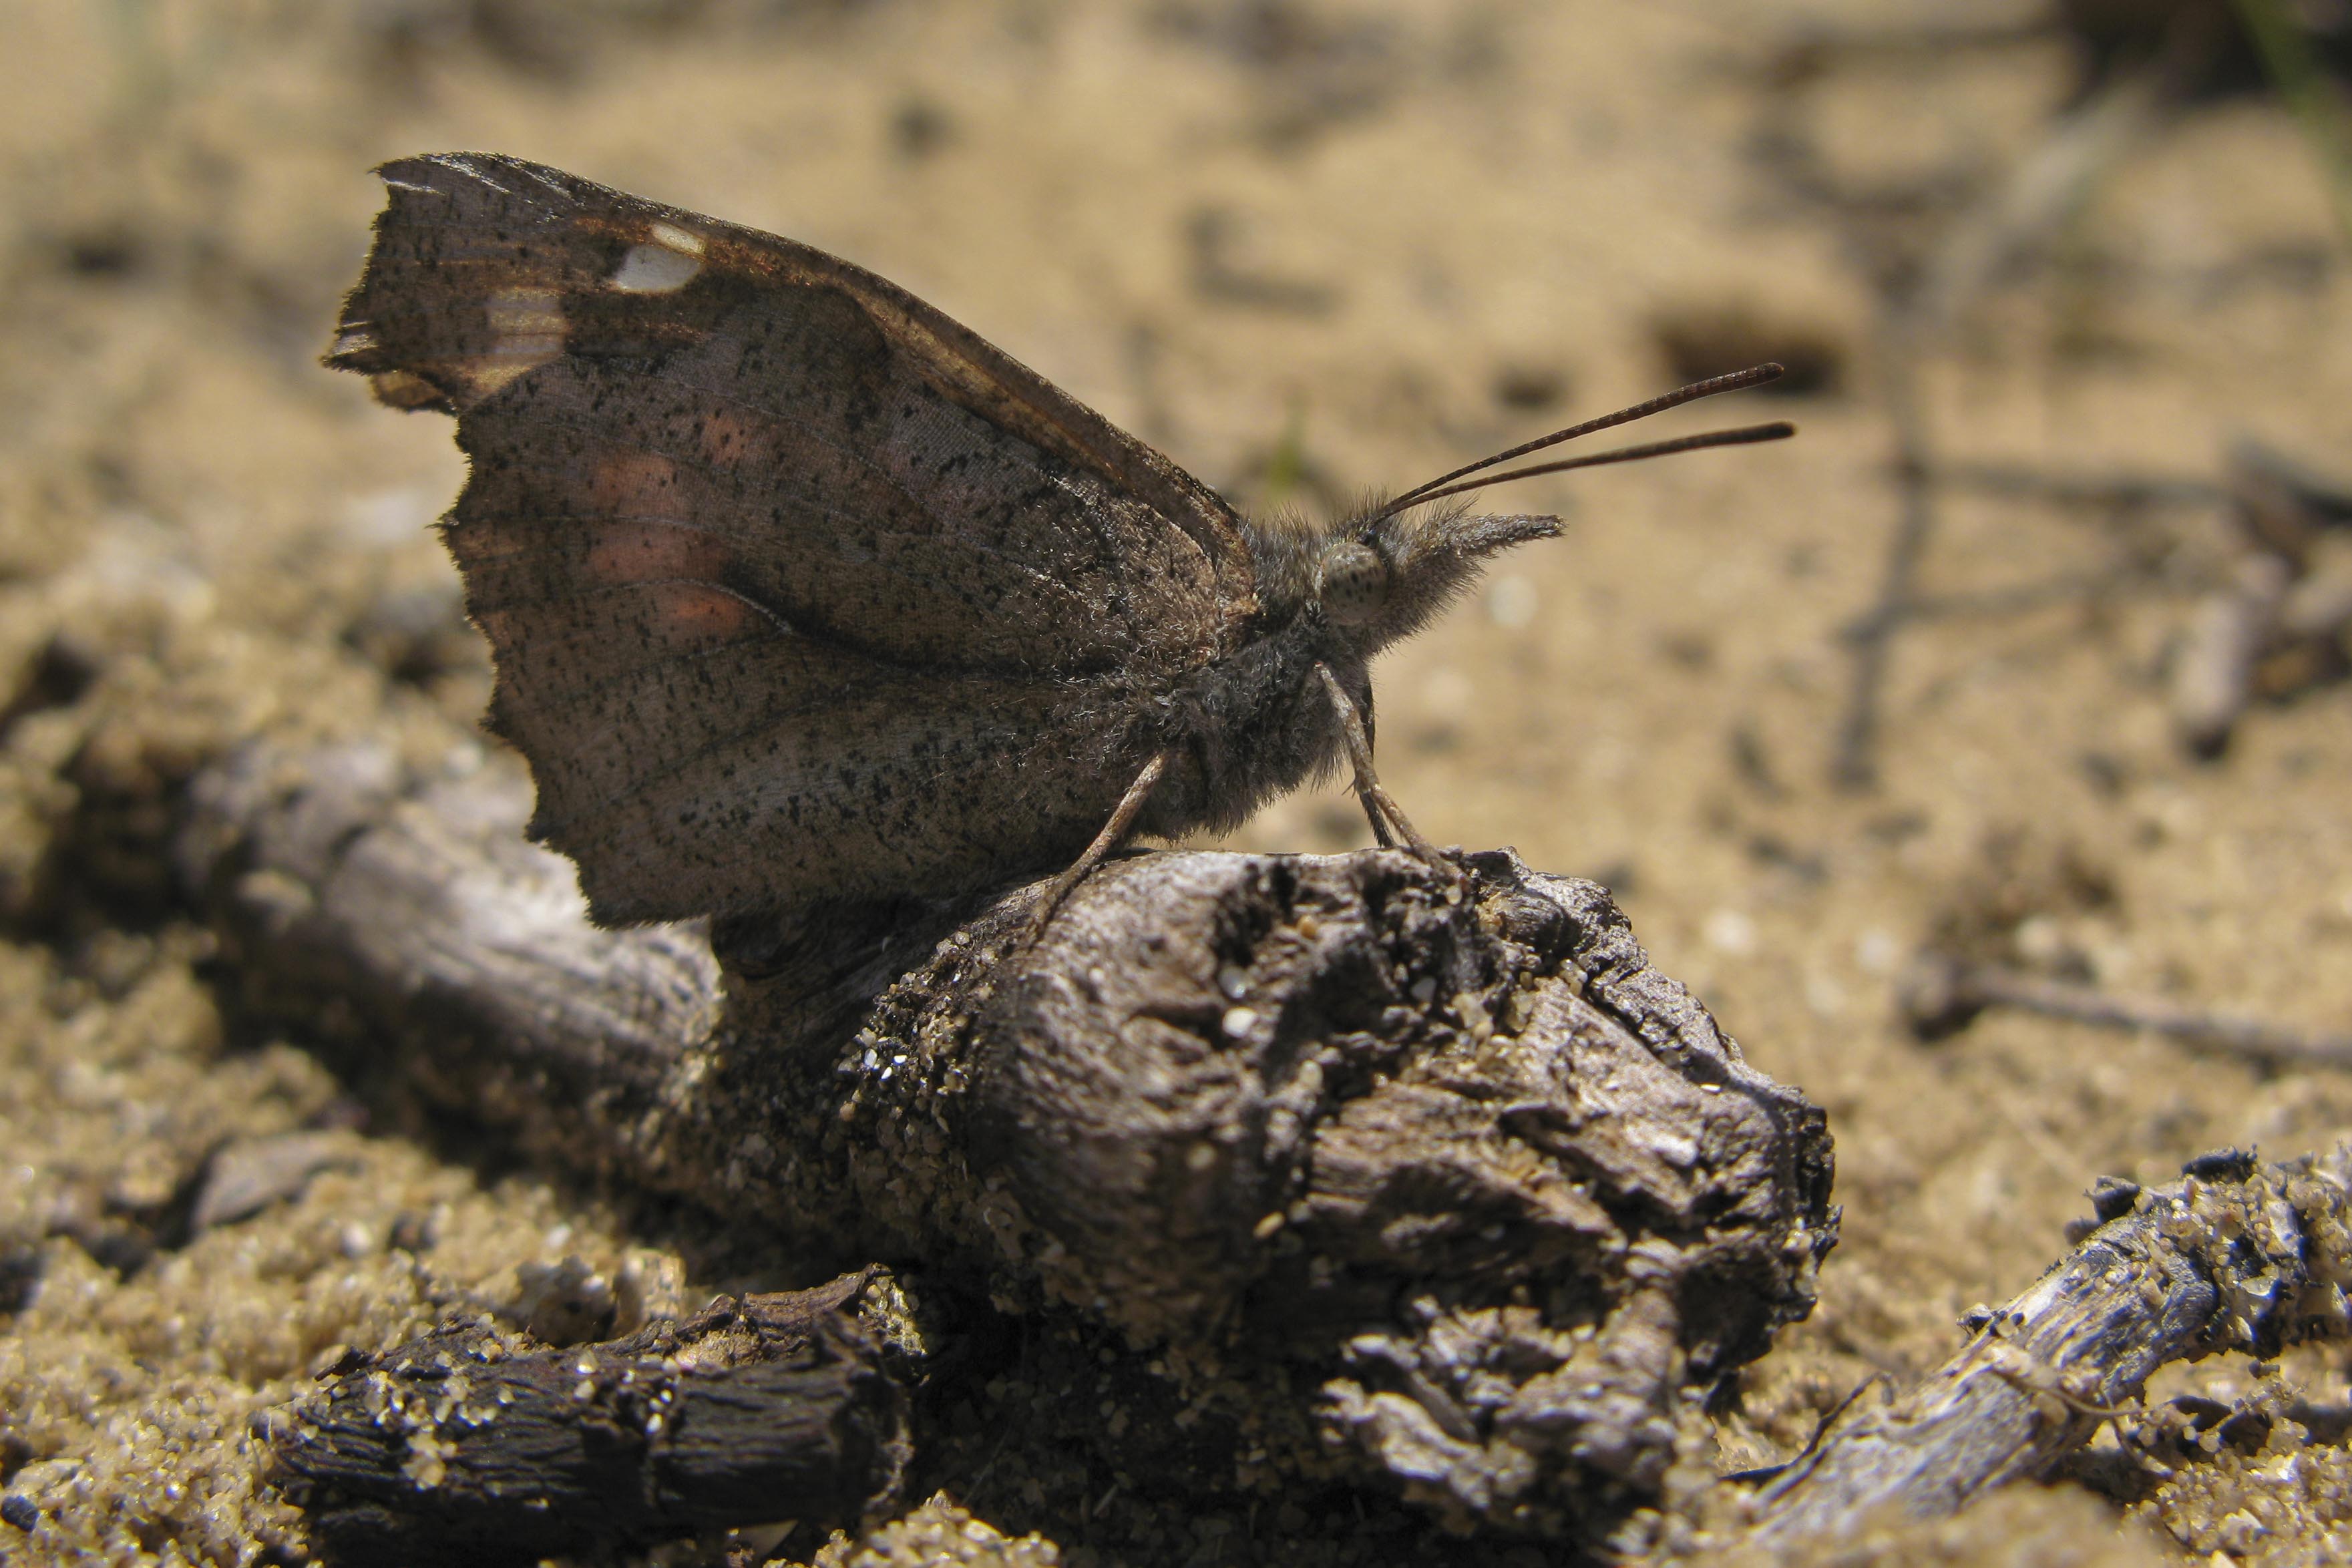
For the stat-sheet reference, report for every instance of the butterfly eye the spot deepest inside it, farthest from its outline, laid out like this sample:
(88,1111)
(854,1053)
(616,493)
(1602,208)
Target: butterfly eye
(1354,583)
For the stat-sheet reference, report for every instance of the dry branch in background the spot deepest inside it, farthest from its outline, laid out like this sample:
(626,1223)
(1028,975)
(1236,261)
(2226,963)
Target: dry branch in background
(2279,622)
(1926,292)
(1940,994)
(1394,1175)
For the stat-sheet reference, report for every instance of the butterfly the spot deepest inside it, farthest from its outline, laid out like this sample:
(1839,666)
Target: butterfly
(800,593)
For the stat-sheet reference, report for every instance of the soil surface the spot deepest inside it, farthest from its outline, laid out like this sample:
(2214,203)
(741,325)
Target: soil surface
(1312,250)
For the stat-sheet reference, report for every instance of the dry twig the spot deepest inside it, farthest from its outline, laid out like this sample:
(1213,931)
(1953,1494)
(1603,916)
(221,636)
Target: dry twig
(1941,994)
(2235,1257)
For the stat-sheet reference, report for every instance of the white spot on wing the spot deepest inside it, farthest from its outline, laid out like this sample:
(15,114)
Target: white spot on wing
(666,262)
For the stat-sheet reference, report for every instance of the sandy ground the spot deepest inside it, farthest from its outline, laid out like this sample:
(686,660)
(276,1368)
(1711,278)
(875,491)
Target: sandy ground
(1309,250)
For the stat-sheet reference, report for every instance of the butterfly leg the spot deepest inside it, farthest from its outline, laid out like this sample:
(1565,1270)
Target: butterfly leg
(1114,832)
(1387,817)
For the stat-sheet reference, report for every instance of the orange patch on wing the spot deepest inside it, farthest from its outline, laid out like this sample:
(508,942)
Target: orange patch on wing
(639,484)
(692,614)
(626,552)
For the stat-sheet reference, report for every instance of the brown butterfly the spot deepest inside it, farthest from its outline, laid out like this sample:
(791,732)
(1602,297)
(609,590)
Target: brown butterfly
(800,592)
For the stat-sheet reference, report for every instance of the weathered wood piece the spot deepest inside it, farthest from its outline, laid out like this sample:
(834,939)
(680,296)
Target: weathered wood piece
(476,1446)
(1440,1172)
(1423,1170)
(2235,1257)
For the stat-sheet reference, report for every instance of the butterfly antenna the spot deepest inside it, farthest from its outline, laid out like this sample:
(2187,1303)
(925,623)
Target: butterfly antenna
(1755,375)
(1745,436)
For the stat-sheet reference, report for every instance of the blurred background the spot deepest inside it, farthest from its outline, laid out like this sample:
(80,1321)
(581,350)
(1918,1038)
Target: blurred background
(2017,676)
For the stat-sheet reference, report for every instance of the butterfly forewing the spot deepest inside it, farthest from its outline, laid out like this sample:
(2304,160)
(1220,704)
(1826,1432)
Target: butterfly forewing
(795,588)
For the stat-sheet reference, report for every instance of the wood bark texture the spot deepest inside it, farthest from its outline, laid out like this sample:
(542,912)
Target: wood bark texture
(1406,1174)
(1417,1178)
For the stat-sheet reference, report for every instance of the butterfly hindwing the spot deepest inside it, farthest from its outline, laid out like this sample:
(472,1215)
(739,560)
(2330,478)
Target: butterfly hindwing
(796,589)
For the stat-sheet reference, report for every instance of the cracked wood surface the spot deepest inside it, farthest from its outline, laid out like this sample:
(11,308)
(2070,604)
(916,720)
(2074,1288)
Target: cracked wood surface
(1433,1147)
(1443,1143)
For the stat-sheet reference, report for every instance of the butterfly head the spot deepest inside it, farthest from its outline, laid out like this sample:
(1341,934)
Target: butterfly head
(1385,579)
(1386,574)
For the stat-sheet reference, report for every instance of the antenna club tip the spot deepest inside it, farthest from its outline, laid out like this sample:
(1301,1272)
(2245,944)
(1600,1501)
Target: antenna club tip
(1771,370)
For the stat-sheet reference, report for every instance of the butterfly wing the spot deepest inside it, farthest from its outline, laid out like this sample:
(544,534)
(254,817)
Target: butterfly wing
(796,588)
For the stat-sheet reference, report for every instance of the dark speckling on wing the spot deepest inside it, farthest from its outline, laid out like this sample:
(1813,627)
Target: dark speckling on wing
(798,590)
